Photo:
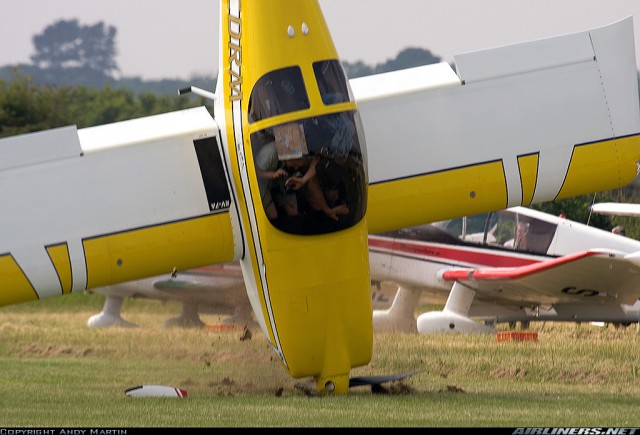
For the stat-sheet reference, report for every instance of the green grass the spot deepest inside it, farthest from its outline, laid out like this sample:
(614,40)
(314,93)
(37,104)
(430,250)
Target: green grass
(57,372)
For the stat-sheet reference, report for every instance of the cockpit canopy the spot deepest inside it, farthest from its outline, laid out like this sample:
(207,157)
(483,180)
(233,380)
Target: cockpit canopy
(506,229)
(310,169)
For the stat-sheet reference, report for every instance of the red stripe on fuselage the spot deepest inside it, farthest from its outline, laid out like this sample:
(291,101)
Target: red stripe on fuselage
(453,254)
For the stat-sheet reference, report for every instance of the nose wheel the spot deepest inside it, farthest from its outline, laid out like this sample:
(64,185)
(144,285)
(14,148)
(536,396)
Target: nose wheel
(334,385)
(329,388)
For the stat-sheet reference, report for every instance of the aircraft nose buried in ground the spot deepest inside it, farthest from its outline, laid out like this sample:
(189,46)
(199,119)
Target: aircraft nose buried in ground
(301,185)
(283,180)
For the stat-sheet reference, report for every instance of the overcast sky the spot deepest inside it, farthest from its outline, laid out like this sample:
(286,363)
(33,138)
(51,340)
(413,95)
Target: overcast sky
(178,38)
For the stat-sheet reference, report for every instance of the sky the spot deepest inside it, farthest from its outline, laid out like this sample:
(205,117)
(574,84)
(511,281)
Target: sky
(159,39)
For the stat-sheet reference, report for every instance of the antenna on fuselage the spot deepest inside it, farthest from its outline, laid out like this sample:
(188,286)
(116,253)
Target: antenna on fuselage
(195,90)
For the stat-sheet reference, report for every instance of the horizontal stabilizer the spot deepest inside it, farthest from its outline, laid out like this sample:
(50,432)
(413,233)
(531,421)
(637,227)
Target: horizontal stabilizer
(616,209)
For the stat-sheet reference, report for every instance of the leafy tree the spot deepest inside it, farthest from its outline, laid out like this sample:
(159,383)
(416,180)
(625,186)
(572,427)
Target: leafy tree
(28,107)
(65,45)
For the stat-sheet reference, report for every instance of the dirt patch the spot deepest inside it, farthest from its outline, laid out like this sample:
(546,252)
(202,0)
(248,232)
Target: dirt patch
(43,351)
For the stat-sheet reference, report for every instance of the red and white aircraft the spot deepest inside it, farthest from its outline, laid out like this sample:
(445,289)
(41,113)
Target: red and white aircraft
(515,125)
(514,265)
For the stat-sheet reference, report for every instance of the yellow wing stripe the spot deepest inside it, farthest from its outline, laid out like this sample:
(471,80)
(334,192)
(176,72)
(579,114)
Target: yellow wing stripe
(152,250)
(59,255)
(601,166)
(14,281)
(412,201)
(528,176)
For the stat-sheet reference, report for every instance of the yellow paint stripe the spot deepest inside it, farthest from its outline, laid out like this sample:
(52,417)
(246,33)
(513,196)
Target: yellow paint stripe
(528,166)
(14,285)
(412,201)
(156,250)
(601,166)
(59,255)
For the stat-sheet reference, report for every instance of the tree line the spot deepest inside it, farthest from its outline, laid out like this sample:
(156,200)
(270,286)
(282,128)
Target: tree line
(27,107)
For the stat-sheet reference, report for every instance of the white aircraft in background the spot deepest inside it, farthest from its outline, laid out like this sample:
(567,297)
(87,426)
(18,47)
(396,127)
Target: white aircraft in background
(516,125)
(216,289)
(482,267)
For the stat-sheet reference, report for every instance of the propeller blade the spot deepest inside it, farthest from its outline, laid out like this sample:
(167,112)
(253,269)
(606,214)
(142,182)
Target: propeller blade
(360,381)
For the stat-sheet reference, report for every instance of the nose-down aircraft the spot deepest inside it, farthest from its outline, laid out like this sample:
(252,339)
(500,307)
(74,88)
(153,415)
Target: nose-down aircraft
(515,125)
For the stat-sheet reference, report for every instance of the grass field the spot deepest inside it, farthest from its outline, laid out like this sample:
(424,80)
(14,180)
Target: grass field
(57,372)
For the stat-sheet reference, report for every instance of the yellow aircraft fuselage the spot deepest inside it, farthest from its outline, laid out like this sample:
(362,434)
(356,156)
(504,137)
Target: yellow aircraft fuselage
(310,273)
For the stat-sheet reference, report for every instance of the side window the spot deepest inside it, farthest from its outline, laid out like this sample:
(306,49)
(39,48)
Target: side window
(540,235)
(332,82)
(478,229)
(529,234)
(278,92)
(213,174)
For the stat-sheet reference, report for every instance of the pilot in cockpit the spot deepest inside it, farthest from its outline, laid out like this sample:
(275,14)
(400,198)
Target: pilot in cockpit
(520,240)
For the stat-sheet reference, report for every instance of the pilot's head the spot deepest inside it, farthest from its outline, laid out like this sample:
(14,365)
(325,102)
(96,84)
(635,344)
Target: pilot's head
(619,230)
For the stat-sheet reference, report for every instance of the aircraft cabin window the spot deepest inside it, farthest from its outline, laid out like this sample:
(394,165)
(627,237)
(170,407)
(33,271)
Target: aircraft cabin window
(478,229)
(502,230)
(310,171)
(278,92)
(525,233)
(332,82)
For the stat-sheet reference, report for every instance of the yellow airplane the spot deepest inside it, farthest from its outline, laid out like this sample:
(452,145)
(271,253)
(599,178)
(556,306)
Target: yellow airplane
(515,125)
